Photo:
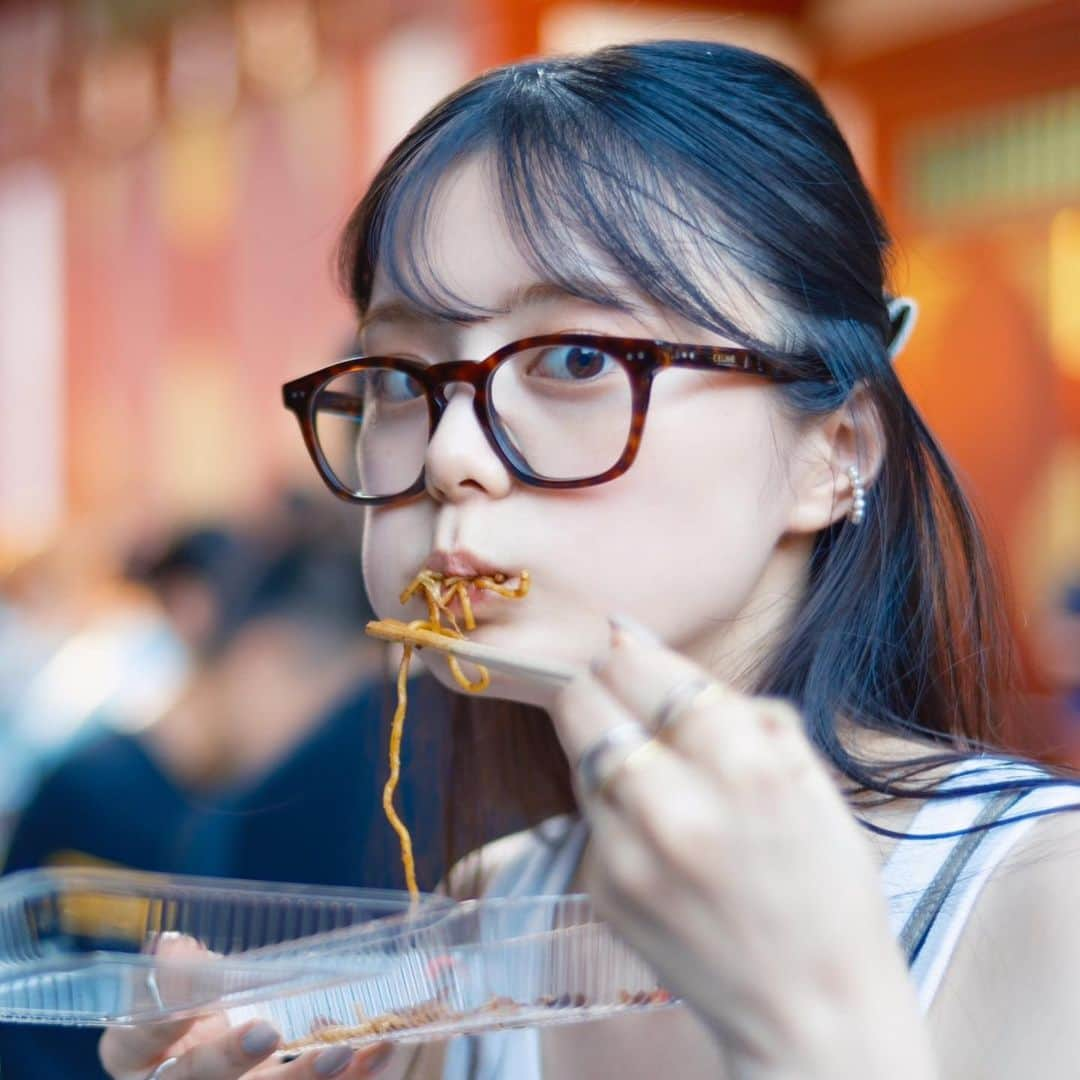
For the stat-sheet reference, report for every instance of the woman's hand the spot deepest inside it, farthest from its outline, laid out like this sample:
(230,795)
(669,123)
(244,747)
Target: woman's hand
(725,854)
(208,1048)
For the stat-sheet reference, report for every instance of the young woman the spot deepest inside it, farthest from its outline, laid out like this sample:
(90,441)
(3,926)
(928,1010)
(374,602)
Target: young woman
(625,326)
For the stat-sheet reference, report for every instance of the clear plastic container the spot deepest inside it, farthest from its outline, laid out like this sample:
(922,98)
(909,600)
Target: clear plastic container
(322,965)
(488,965)
(78,946)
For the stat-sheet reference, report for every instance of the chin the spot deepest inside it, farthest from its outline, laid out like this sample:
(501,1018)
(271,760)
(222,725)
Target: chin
(502,687)
(568,637)
(572,642)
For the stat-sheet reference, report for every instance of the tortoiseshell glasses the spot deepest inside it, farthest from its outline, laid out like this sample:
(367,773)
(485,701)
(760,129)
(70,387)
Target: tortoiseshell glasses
(560,410)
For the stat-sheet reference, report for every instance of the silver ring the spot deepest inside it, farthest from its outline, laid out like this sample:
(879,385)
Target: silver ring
(597,764)
(633,759)
(682,697)
(160,1071)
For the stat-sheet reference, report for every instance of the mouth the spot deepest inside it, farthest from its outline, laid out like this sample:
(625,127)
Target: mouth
(459,571)
(466,564)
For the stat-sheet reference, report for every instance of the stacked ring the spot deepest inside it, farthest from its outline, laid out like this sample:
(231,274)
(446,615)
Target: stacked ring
(629,744)
(632,760)
(603,759)
(684,696)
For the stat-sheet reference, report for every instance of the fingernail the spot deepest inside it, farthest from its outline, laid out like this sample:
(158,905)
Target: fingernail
(259,1039)
(331,1062)
(166,937)
(623,624)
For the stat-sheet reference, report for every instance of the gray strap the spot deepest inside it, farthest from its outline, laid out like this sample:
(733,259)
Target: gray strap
(921,919)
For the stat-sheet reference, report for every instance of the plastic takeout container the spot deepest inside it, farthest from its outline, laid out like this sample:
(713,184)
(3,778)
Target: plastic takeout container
(89,947)
(488,965)
(86,946)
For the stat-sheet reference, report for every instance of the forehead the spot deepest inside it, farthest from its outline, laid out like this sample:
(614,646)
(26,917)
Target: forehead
(461,253)
(454,255)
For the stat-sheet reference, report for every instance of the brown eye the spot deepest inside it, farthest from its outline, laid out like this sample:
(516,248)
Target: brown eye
(393,386)
(571,363)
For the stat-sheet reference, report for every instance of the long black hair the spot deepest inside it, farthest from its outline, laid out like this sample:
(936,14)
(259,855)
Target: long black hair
(645,153)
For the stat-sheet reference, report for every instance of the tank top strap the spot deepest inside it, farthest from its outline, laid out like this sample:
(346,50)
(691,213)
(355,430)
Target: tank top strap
(931,881)
(548,861)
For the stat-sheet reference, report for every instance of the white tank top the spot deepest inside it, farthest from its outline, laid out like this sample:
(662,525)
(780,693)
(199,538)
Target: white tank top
(929,902)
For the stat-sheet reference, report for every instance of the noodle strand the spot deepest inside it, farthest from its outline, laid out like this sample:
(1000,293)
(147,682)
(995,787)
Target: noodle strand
(397,729)
(438,593)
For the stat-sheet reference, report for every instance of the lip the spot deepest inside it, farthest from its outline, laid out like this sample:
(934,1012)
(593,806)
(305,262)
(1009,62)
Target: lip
(463,563)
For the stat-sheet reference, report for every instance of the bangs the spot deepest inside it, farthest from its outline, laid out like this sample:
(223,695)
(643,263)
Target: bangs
(576,195)
(675,178)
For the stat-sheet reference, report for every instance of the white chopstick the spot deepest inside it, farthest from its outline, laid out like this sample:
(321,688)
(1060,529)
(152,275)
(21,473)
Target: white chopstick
(510,663)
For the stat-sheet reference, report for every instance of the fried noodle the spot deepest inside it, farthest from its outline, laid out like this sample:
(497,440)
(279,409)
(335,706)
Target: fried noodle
(439,593)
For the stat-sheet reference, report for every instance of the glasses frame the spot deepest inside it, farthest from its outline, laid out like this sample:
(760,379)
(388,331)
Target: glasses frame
(641,358)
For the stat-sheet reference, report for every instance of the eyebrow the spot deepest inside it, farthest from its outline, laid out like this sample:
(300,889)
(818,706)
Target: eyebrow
(538,292)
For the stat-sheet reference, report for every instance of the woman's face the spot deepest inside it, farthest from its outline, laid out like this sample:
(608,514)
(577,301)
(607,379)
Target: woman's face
(693,541)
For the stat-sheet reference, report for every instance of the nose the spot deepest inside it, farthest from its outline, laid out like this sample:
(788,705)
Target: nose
(460,461)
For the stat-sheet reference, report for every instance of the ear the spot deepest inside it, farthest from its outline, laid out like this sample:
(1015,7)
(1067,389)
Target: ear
(826,448)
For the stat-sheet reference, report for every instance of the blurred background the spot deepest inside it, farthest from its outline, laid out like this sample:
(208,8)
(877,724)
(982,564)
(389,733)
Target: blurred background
(173,178)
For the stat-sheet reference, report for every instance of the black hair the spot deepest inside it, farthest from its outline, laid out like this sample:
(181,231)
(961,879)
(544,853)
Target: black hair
(697,170)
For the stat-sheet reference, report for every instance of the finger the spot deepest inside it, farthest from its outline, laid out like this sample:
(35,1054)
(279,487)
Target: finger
(583,711)
(636,681)
(124,1050)
(228,1056)
(755,742)
(646,867)
(658,791)
(180,968)
(372,1061)
(621,867)
(726,732)
(175,945)
(340,1062)
(652,680)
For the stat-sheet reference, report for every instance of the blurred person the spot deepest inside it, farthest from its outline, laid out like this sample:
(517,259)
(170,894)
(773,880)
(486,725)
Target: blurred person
(270,766)
(626,325)
(273,617)
(79,653)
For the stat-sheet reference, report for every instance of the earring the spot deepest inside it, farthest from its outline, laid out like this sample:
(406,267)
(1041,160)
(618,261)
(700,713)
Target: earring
(858,496)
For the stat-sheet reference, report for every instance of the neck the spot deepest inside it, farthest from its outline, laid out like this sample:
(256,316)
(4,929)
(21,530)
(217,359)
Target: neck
(732,649)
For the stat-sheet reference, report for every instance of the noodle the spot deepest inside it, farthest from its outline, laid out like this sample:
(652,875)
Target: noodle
(396,730)
(439,593)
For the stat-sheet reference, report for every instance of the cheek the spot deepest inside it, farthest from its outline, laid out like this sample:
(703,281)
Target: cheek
(688,531)
(394,543)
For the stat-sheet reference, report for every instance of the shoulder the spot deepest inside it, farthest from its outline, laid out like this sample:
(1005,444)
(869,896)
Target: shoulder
(473,875)
(93,768)
(1005,1007)
(1040,877)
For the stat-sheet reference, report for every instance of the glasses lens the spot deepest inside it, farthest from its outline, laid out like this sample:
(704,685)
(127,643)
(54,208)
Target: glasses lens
(563,412)
(372,426)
